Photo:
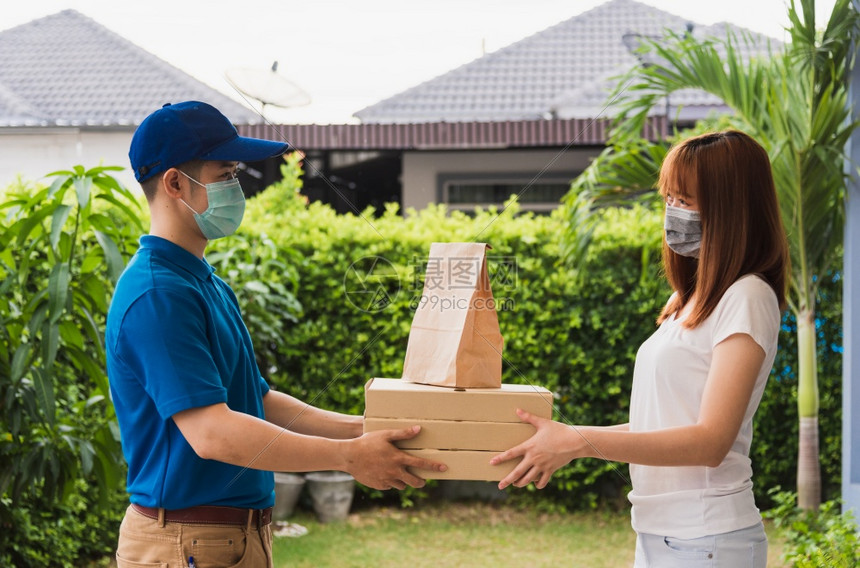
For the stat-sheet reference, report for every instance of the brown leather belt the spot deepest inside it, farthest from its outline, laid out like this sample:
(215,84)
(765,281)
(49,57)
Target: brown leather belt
(209,515)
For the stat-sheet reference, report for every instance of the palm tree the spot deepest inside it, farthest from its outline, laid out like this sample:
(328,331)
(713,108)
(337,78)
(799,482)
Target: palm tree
(795,103)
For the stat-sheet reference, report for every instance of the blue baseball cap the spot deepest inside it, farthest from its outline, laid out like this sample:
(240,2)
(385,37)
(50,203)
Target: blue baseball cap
(192,130)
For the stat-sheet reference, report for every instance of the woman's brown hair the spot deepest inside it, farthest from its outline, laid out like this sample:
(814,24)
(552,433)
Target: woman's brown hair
(742,231)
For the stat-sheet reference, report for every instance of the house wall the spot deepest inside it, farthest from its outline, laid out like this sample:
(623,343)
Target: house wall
(425,171)
(32,153)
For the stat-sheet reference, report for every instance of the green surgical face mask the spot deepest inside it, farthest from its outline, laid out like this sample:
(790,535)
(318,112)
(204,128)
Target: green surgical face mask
(225,211)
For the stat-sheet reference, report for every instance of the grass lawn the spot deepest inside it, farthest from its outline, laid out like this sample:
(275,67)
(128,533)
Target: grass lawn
(467,535)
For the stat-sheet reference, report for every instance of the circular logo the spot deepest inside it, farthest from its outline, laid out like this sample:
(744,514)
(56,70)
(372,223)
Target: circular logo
(371,284)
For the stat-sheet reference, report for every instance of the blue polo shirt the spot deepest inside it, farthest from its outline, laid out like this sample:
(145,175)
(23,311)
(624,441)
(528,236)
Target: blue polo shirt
(175,340)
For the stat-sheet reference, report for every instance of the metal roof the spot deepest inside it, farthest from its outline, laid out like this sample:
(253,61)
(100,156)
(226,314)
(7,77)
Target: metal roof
(474,135)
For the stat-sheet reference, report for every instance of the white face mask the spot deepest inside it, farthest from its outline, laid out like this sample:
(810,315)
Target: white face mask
(683,231)
(225,210)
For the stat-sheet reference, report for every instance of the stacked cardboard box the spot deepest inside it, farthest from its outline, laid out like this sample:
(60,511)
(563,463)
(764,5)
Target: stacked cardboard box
(460,428)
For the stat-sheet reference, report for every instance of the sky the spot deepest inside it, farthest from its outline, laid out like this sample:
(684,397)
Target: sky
(348,54)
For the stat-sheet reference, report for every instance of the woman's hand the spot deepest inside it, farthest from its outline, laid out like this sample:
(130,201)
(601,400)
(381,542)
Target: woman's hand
(552,446)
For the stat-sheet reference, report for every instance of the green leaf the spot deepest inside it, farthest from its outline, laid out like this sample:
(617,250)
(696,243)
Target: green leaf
(71,334)
(114,259)
(58,291)
(83,186)
(20,361)
(25,227)
(86,452)
(61,180)
(43,383)
(95,292)
(97,172)
(91,263)
(58,220)
(8,282)
(256,286)
(110,473)
(50,345)
(38,309)
(131,214)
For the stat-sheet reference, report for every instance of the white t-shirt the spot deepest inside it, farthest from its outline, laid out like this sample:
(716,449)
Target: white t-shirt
(668,380)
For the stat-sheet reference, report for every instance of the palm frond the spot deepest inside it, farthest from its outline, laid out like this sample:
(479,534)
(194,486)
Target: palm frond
(621,175)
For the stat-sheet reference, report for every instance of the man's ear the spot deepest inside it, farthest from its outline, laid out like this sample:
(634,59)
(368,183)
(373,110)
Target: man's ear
(172,182)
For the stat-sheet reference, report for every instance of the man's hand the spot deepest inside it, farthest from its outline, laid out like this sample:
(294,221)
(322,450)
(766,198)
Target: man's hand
(373,460)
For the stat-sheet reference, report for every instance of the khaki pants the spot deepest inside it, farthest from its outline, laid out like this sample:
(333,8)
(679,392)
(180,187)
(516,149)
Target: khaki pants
(148,543)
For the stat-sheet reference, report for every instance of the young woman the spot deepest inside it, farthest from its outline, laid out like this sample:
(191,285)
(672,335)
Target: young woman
(698,379)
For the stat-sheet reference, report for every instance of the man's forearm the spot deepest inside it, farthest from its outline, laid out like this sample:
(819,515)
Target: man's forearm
(290,413)
(218,433)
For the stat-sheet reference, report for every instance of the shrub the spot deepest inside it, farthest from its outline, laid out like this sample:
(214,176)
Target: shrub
(815,538)
(61,250)
(38,530)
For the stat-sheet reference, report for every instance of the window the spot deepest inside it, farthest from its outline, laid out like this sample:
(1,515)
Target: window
(542,195)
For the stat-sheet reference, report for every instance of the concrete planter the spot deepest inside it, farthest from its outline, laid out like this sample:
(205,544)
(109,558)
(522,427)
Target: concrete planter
(288,487)
(331,494)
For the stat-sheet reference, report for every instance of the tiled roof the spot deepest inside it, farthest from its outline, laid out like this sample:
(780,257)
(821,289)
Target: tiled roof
(68,70)
(562,71)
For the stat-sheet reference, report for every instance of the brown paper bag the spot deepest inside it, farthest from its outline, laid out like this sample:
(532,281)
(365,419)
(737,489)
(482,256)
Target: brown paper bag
(454,340)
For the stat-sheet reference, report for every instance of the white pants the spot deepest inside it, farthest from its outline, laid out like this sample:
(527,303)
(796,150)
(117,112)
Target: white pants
(745,548)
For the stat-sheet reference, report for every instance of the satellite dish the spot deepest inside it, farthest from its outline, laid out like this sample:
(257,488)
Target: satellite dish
(267,86)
